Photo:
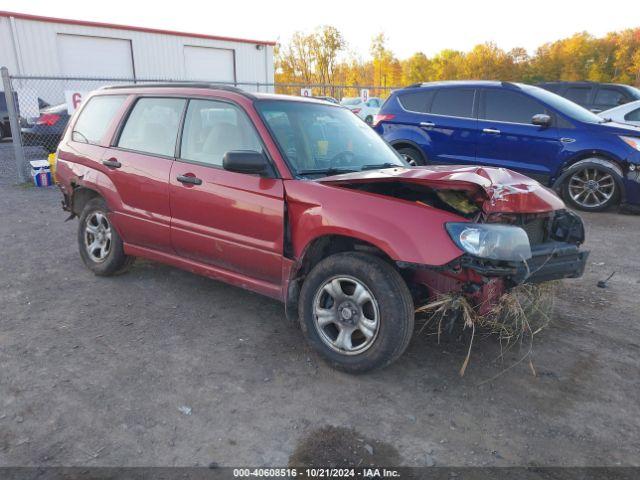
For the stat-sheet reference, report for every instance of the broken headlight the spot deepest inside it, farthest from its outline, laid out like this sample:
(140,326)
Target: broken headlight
(496,242)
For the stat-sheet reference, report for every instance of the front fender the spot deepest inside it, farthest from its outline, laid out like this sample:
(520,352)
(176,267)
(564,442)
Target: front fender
(405,231)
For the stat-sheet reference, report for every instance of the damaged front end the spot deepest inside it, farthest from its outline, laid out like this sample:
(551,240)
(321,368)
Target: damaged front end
(551,253)
(512,230)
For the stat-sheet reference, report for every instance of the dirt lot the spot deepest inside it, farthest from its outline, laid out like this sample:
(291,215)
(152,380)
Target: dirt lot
(94,371)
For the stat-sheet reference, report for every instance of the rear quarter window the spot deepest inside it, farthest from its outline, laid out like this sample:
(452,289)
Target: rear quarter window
(96,117)
(633,115)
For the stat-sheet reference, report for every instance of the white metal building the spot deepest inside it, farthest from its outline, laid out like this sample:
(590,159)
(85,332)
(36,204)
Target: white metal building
(35,45)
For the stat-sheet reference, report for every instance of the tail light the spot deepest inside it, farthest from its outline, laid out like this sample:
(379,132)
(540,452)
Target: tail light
(382,117)
(356,110)
(48,119)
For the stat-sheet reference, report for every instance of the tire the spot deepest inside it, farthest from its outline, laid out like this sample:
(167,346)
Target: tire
(591,185)
(107,257)
(412,155)
(368,120)
(385,311)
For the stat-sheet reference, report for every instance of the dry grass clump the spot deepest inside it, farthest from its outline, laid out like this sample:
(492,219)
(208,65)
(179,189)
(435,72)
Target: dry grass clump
(517,317)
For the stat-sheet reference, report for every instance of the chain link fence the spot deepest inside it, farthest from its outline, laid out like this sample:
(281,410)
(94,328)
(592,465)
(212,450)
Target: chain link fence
(34,111)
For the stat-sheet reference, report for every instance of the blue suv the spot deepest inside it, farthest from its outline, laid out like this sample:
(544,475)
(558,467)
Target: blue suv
(594,163)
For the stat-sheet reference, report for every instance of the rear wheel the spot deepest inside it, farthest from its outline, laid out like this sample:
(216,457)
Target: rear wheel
(100,245)
(591,187)
(356,311)
(412,155)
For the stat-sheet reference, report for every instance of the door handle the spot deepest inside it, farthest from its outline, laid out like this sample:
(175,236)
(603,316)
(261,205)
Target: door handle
(491,130)
(189,179)
(427,124)
(112,163)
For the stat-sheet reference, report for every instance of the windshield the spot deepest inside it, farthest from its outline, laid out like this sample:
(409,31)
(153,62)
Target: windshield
(564,106)
(350,101)
(325,140)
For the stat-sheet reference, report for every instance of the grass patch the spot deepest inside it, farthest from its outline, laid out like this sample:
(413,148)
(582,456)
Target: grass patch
(518,316)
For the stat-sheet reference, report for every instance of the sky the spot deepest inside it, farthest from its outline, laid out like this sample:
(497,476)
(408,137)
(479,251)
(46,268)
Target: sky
(410,26)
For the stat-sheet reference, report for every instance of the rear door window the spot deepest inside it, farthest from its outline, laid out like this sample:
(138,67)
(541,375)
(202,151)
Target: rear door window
(579,95)
(507,106)
(95,118)
(152,126)
(453,102)
(416,101)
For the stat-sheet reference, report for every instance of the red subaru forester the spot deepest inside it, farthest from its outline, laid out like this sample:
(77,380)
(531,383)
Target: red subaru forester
(300,200)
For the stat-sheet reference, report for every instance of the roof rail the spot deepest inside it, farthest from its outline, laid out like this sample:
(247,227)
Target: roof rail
(510,85)
(212,86)
(414,85)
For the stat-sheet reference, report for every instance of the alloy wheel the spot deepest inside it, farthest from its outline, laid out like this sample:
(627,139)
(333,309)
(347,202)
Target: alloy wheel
(591,187)
(97,236)
(346,315)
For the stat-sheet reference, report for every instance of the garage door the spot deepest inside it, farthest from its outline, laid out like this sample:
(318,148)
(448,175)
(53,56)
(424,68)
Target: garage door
(213,64)
(95,56)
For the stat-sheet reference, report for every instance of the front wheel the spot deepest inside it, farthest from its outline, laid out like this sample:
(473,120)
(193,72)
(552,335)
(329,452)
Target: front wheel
(592,187)
(356,311)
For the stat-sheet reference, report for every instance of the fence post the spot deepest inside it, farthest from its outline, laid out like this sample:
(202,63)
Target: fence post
(14,122)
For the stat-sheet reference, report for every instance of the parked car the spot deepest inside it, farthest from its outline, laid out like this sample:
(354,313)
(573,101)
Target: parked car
(5,127)
(627,113)
(594,164)
(594,96)
(300,201)
(365,110)
(47,129)
(327,99)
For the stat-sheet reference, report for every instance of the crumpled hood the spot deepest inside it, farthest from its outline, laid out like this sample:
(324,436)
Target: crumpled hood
(498,190)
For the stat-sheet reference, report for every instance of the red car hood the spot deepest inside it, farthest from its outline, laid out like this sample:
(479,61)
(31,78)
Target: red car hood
(498,190)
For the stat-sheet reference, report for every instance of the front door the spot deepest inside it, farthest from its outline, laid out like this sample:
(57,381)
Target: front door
(507,138)
(233,221)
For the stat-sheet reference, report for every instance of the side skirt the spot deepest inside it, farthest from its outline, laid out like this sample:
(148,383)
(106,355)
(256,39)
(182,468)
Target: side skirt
(232,278)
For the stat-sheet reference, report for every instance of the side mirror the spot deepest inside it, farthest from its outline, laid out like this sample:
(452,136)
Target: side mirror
(245,161)
(541,119)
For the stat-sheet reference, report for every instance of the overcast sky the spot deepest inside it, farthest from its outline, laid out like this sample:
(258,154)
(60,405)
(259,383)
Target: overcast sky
(410,26)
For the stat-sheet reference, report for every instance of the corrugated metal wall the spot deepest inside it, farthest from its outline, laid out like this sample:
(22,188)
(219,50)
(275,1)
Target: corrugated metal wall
(155,55)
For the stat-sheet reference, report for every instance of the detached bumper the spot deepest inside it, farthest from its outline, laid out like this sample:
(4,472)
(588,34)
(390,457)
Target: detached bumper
(549,261)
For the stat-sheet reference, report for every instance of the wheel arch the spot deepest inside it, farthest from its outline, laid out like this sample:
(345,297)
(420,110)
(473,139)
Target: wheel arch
(590,158)
(318,249)
(81,196)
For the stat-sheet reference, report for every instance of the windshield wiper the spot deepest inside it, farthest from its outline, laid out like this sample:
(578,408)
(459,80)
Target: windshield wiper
(376,166)
(326,171)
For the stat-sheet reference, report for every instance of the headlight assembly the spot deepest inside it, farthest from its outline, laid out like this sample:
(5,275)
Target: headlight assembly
(496,242)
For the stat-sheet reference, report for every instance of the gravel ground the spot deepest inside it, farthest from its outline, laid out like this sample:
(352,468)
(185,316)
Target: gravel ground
(161,367)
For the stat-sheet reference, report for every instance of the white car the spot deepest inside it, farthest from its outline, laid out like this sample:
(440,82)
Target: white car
(627,113)
(364,110)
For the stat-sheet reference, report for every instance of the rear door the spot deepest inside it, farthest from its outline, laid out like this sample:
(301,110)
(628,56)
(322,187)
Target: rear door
(139,165)
(507,138)
(450,127)
(233,221)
